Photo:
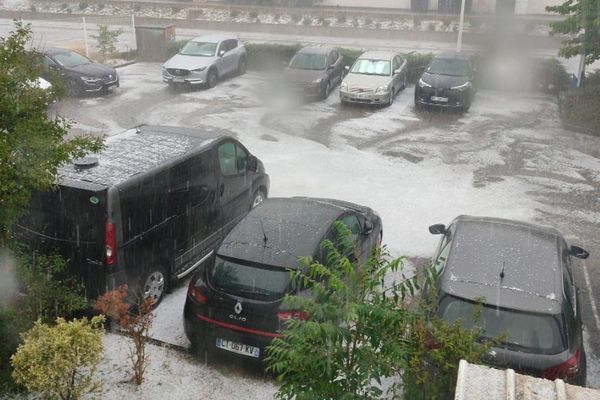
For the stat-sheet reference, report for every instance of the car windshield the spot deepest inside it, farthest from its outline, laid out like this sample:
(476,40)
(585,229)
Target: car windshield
(202,49)
(250,281)
(70,59)
(371,67)
(309,61)
(449,66)
(524,331)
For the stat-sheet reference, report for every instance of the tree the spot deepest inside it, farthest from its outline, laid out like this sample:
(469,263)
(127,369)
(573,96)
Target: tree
(351,327)
(60,361)
(582,27)
(32,144)
(107,39)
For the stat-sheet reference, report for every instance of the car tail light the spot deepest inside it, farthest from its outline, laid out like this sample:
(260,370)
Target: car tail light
(110,242)
(283,316)
(195,294)
(565,370)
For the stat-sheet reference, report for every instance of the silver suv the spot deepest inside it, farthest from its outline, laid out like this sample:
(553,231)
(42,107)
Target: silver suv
(205,59)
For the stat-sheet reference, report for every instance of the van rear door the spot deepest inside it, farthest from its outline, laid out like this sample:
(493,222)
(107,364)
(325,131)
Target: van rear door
(70,221)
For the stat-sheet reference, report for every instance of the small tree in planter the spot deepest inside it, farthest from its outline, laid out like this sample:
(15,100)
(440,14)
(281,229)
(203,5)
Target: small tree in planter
(136,321)
(107,40)
(60,361)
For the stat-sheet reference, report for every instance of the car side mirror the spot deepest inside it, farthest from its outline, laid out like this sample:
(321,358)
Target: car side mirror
(578,252)
(396,72)
(437,229)
(368,228)
(347,68)
(252,164)
(221,53)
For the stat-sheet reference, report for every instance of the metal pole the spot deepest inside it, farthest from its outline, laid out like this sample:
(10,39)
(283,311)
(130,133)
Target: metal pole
(460,26)
(134,34)
(85,41)
(581,70)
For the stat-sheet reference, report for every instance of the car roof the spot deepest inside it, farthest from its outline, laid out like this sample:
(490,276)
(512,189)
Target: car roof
(316,50)
(294,227)
(137,151)
(214,38)
(455,55)
(54,50)
(378,55)
(529,254)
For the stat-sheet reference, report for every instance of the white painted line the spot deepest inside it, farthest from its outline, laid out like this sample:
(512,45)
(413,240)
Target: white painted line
(591,295)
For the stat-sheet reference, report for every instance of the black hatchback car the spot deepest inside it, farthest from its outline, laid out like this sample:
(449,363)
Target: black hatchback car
(523,274)
(450,80)
(78,73)
(235,303)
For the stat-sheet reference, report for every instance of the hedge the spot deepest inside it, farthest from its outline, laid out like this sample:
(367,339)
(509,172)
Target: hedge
(579,107)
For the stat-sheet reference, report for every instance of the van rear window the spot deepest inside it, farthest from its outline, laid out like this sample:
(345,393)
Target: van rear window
(527,332)
(249,281)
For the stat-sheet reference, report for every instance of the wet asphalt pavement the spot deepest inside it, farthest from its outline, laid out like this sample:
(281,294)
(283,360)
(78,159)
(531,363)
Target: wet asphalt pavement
(507,140)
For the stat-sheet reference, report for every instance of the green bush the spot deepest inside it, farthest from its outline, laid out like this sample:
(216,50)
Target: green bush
(307,20)
(174,47)
(253,14)
(234,13)
(579,109)
(83,5)
(341,19)
(296,18)
(12,324)
(550,76)
(268,57)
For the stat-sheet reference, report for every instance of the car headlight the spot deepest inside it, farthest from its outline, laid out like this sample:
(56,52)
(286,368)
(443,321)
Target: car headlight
(465,85)
(382,89)
(344,86)
(90,79)
(422,83)
(199,69)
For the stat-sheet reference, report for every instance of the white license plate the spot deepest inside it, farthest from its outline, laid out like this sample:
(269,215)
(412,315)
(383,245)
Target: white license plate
(178,80)
(238,348)
(440,99)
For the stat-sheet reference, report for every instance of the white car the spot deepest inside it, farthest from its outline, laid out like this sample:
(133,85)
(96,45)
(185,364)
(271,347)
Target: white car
(203,60)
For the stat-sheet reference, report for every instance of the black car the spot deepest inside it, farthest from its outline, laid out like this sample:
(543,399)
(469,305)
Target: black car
(235,303)
(315,71)
(78,73)
(522,272)
(450,80)
(147,210)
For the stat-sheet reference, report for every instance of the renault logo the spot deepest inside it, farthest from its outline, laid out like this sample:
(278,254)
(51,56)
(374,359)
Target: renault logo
(110,76)
(238,307)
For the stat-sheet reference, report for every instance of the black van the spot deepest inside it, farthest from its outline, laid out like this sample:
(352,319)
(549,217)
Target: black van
(148,209)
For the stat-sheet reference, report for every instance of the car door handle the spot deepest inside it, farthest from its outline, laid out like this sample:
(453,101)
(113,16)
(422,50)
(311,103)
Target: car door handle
(222,189)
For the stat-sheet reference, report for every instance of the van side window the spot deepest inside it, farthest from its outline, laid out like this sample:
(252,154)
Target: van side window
(440,263)
(227,159)
(241,159)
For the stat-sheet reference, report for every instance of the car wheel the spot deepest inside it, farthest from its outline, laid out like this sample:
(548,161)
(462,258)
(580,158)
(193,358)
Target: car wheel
(404,81)
(326,90)
(155,285)
(241,69)
(392,95)
(73,88)
(259,197)
(211,79)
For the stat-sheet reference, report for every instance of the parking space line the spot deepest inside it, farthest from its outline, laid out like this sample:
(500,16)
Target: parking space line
(591,296)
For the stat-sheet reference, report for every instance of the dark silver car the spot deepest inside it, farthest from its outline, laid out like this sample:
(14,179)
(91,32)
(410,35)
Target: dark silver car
(314,71)
(523,274)
(203,60)
(375,78)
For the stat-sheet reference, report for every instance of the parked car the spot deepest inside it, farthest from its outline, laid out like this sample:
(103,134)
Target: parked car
(314,71)
(147,210)
(523,273)
(374,78)
(205,59)
(450,80)
(235,303)
(78,73)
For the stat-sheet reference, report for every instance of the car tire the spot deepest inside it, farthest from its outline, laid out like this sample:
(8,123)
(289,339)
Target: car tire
(242,65)
(155,284)
(404,82)
(211,78)
(325,91)
(258,197)
(392,95)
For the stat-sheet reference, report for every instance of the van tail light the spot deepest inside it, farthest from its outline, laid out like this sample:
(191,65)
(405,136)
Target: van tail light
(283,316)
(195,294)
(110,243)
(566,370)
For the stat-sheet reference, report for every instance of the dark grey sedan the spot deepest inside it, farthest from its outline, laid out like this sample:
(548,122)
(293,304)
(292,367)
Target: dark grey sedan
(522,273)
(314,71)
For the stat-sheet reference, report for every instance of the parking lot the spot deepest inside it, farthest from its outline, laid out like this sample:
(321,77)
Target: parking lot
(507,157)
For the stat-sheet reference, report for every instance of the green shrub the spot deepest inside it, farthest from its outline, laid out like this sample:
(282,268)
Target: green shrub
(341,19)
(12,324)
(83,5)
(174,47)
(175,10)
(549,76)
(60,361)
(355,22)
(307,20)
(252,14)
(268,57)
(579,109)
(234,13)
(368,21)
(296,18)
(415,63)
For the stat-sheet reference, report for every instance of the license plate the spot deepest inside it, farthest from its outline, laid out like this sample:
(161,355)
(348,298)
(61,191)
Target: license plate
(178,80)
(440,99)
(360,96)
(238,348)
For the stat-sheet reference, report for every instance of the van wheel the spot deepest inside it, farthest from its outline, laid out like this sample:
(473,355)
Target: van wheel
(155,285)
(241,69)
(211,79)
(259,197)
